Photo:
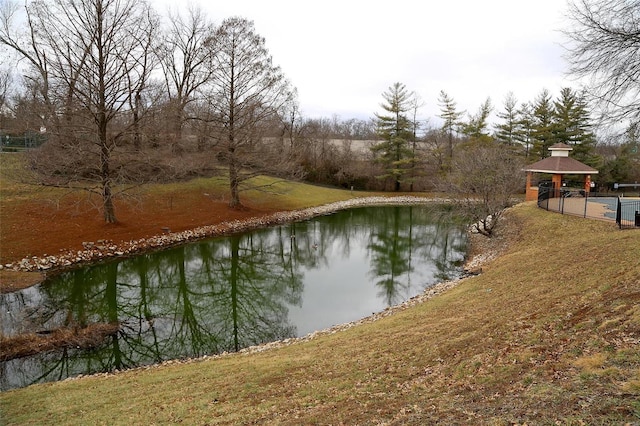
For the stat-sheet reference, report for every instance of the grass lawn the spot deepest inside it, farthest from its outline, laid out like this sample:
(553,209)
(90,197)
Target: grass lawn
(549,333)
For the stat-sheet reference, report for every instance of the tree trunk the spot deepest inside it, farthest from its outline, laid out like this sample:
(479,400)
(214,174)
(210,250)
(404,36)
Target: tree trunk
(176,141)
(136,110)
(107,196)
(109,211)
(234,182)
(105,152)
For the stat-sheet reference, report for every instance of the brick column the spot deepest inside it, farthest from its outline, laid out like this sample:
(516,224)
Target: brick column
(557,185)
(529,196)
(587,184)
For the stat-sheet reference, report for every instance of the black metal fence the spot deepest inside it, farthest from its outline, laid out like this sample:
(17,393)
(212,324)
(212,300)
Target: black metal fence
(14,143)
(625,212)
(628,213)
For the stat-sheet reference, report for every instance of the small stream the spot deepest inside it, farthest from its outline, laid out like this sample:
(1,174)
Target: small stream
(227,293)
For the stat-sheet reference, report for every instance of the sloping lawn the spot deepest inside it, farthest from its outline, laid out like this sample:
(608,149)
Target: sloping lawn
(549,333)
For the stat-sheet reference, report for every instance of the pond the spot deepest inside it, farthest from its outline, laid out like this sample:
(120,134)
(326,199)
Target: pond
(227,293)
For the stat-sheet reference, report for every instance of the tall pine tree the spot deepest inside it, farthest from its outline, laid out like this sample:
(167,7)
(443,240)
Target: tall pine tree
(543,118)
(572,126)
(623,162)
(477,126)
(525,127)
(507,130)
(451,117)
(395,129)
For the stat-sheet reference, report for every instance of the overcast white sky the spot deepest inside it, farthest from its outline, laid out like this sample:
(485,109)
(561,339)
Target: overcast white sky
(343,54)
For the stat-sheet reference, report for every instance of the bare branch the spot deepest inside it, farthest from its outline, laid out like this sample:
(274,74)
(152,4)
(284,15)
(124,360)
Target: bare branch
(605,49)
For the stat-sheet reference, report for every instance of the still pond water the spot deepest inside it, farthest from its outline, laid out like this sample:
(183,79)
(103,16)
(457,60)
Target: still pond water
(228,293)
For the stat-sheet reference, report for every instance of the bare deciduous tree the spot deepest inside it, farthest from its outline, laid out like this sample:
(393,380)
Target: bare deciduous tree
(436,144)
(483,179)
(605,47)
(246,90)
(139,75)
(291,127)
(185,60)
(27,42)
(5,86)
(91,61)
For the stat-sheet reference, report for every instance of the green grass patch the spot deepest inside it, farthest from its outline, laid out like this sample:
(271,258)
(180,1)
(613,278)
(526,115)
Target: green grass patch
(257,192)
(17,182)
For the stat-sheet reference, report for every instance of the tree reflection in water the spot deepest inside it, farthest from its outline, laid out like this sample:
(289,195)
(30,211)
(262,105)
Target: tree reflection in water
(228,293)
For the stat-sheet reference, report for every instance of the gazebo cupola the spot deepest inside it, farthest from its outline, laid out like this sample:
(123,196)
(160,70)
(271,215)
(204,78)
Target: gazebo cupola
(558,165)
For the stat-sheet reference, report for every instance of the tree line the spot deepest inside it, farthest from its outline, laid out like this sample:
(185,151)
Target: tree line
(122,95)
(126,97)
(409,148)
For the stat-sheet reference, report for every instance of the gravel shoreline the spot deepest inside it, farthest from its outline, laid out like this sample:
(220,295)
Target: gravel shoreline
(104,249)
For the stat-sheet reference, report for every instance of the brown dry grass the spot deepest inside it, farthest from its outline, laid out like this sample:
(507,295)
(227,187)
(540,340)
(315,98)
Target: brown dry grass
(548,334)
(44,225)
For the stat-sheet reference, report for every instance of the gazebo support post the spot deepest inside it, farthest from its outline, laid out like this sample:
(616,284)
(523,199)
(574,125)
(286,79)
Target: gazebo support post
(556,182)
(528,190)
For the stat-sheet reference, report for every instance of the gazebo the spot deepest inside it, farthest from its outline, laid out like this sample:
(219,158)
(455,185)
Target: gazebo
(558,164)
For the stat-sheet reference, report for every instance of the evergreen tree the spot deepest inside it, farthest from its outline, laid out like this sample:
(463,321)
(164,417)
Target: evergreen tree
(572,126)
(631,147)
(525,127)
(396,131)
(543,119)
(507,131)
(623,165)
(477,126)
(451,117)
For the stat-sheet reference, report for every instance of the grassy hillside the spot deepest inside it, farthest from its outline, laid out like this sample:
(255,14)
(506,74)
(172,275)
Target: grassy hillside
(36,220)
(548,334)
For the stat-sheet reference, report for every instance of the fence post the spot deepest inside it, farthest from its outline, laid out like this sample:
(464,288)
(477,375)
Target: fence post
(586,200)
(619,213)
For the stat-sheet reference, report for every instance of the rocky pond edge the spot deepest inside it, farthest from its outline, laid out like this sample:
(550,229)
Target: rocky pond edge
(103,250)
(106,250)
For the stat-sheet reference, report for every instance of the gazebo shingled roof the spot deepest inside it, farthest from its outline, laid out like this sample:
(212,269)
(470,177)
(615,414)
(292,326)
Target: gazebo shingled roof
(560,164)
(563,165)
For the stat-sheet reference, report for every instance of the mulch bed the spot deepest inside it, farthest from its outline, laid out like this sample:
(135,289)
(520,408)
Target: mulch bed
(36,228)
